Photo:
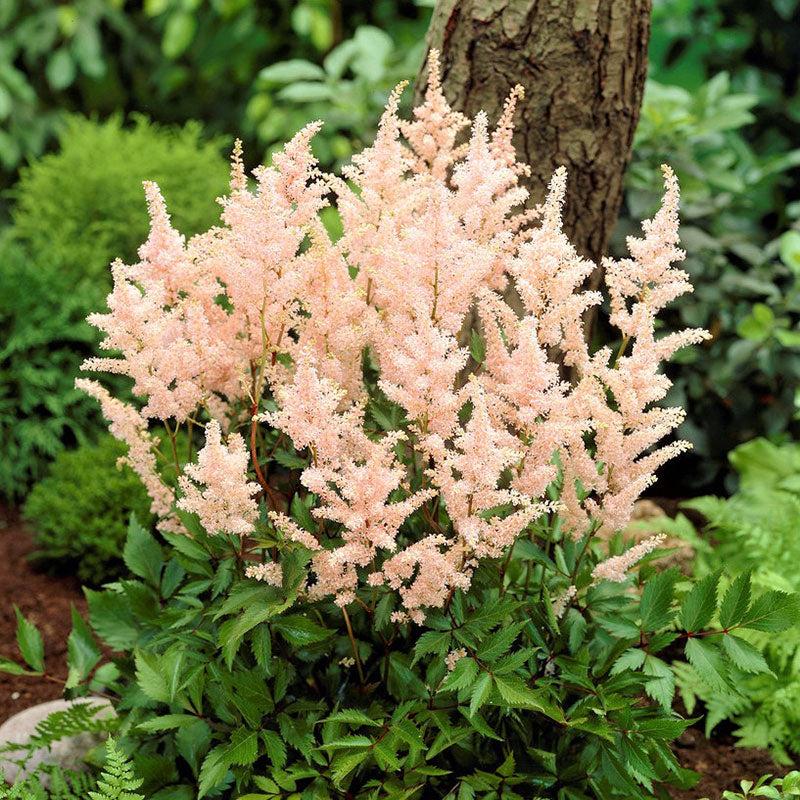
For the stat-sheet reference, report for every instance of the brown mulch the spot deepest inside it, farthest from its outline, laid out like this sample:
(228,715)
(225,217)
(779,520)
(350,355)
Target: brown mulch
(720,763)
(46,602)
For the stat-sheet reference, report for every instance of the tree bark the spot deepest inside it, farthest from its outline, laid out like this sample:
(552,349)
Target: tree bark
(583,65)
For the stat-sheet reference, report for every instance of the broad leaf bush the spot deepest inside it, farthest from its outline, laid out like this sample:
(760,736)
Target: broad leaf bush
(172,61)
(347,90)
(381,574)
(79,512)
(741,384)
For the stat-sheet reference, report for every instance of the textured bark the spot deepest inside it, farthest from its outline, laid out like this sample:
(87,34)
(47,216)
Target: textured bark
(583,65)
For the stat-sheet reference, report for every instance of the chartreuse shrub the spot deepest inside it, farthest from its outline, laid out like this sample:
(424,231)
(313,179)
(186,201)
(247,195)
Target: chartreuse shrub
(80,511)
(381,575)
(75,210)
(81,206)
(755,532)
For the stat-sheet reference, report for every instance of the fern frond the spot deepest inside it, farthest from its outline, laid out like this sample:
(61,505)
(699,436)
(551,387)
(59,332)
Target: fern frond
(118,780)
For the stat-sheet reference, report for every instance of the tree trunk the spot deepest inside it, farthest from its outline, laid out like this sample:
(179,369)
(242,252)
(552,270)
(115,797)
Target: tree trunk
(583,65)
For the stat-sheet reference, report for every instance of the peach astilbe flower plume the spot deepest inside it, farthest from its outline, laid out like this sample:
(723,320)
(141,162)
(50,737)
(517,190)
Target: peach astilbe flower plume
(130,427)
(352,475)
(351,353)
(225,502)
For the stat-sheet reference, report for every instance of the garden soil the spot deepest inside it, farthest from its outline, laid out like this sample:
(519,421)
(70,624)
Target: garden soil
(46,601)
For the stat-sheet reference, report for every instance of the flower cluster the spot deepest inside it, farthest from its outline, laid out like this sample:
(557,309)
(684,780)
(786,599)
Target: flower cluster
(267,321)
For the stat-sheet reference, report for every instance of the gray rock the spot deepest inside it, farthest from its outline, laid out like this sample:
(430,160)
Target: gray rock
(67,753)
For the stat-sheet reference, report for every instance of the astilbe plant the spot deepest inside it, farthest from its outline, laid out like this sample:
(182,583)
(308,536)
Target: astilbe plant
(404,532)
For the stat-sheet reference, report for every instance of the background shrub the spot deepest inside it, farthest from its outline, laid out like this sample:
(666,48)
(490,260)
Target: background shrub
(174,61)
(43,339)
(80,511)
(84,206)
(76,210)
(746,278)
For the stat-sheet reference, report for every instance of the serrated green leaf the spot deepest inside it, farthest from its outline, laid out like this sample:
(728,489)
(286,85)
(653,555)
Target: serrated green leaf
(352,717)
(744,654)
(149,677)
(431,642)
(300,631)
(111,618)
(498,643)
(167,722)
(142,553)
(11,668)
(735,601)
(345,763)
(212,772)
(347,742)
(29,642)
(301,514)
(275,747)
(662,690)
(706,659)
(655,606)
(462,675)
(480,692)
(83,653)
(242,748)
(631,659)
(514,691)
(232,631)
(700,604)
(773,612)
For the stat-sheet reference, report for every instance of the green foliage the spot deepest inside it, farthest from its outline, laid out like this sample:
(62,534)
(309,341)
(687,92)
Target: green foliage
(63,785)
(746,287)
(118,780)
(227,687)
(171,60)
(77,210)
(43,339)
(80,511)
(775,789)
(348,91)
(755,534)
(83,206)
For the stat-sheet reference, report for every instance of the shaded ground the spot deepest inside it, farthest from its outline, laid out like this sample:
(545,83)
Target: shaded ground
(46,601)
(720,763)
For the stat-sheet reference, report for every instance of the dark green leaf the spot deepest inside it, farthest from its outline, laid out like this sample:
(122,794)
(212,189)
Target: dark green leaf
(83,652)
(773,612)
(30,643)
(657,599)
(699,605)
(142,553)
(300,631)
(743,654)
(735,601)
(706,659)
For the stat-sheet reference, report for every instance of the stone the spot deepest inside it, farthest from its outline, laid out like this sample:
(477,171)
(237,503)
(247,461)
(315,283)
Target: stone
(68,753)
